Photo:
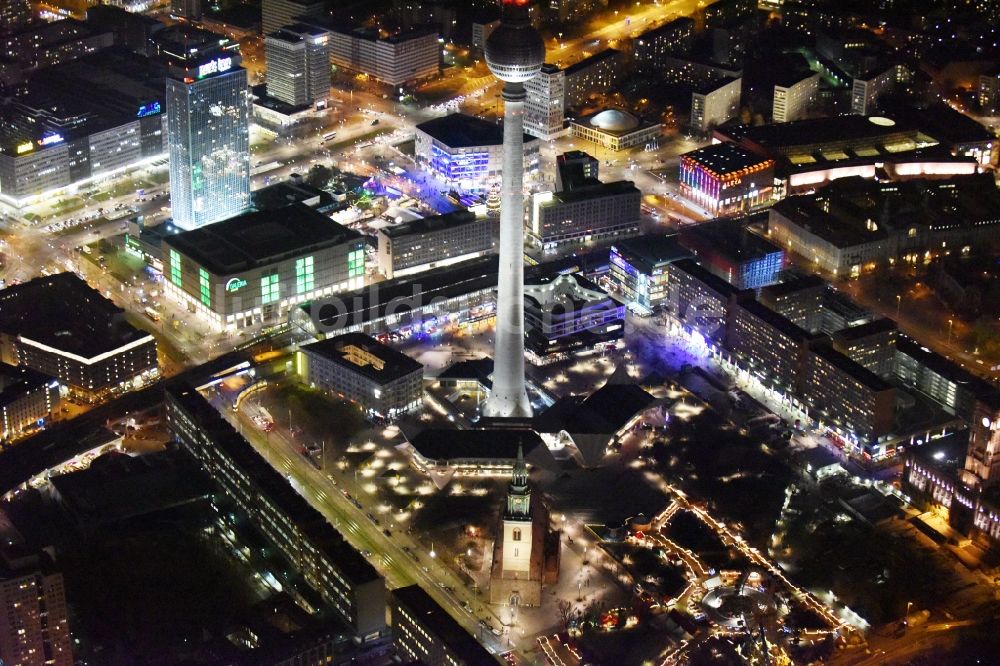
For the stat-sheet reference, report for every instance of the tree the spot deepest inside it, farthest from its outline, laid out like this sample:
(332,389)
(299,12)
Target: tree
(319,176)
(565,610)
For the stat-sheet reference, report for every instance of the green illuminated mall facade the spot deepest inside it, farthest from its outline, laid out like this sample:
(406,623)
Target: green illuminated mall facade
(254,268)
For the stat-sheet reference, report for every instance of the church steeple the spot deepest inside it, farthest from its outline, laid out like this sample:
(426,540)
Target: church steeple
(518,492)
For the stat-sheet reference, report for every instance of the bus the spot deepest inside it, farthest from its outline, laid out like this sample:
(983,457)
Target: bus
(152,314)
(263,168)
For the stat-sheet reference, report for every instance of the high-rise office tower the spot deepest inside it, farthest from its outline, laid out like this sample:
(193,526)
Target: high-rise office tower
(298,64)
(277,13)
(208,127)
(543,111)
(514,53)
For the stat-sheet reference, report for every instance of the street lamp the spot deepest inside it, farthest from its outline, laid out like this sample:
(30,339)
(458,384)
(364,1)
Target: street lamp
(951,322)
(906,620)
(899,299)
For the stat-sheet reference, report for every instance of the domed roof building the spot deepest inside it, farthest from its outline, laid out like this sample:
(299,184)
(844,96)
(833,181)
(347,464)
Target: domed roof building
(614,120)
(615,129)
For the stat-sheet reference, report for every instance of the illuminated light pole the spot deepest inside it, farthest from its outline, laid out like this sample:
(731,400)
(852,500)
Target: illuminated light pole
(515,54)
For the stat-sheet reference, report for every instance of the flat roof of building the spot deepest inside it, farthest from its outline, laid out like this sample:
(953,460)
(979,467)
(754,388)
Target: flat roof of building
(837,230)
(460,130)
(260,238)
(776,320)
(942,366)
(706,277)
(75,99)
(725,158)
(592,60)
(946,454)
(852,368)
(478,369)
(861,331)
(368,304)
(794,285)
(445,629)
(117,486)
(63,312)
(596,191)
(445,444)
(375,35)
(296,32)
(653,249)
(835,129)
(946,124)
(714,83)
(287,192)
(429,224)
(184,41)
(271,485)
(669,28)
(364,355)
(727,237)
(15,382)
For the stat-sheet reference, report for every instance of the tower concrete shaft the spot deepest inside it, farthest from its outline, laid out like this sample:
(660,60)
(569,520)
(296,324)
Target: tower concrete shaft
(509,397)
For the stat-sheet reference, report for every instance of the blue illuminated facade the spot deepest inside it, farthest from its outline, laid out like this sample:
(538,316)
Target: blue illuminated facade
(761,272)
(468,167)
(639,268)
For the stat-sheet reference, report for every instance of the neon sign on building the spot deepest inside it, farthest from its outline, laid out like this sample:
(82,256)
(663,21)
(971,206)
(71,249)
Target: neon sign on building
(50,140)
(150,109)
(215,66)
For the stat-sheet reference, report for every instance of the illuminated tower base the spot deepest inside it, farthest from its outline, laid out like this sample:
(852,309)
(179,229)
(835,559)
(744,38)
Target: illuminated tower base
(514,53)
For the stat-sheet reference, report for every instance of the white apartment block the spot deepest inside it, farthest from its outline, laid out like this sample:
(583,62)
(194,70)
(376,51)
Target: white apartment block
(715,104)
(792,101)
(396,60)
(866,92)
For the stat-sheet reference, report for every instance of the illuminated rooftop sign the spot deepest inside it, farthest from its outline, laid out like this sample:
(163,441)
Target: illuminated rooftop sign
(25,147)
(50,140)
(215,66)
(150,109)
(361,358)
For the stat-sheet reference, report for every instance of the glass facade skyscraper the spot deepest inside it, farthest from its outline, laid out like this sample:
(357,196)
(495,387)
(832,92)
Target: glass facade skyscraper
(208,109)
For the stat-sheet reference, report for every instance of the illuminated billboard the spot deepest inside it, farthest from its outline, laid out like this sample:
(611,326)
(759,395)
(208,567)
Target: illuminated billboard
(150,109)
(51,139)
(215,66)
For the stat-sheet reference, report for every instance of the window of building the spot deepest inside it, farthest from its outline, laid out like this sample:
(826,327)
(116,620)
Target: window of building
(269,291)
(356,263)
(304,275)
(175,267)
(516,534)
(205,286)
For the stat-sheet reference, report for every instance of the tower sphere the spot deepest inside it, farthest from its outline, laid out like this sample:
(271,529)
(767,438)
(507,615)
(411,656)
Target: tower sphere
(515,51)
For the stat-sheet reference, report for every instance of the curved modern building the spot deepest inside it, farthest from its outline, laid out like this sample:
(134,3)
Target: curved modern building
(515,53)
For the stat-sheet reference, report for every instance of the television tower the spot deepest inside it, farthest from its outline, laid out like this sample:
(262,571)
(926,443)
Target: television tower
(514,53)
